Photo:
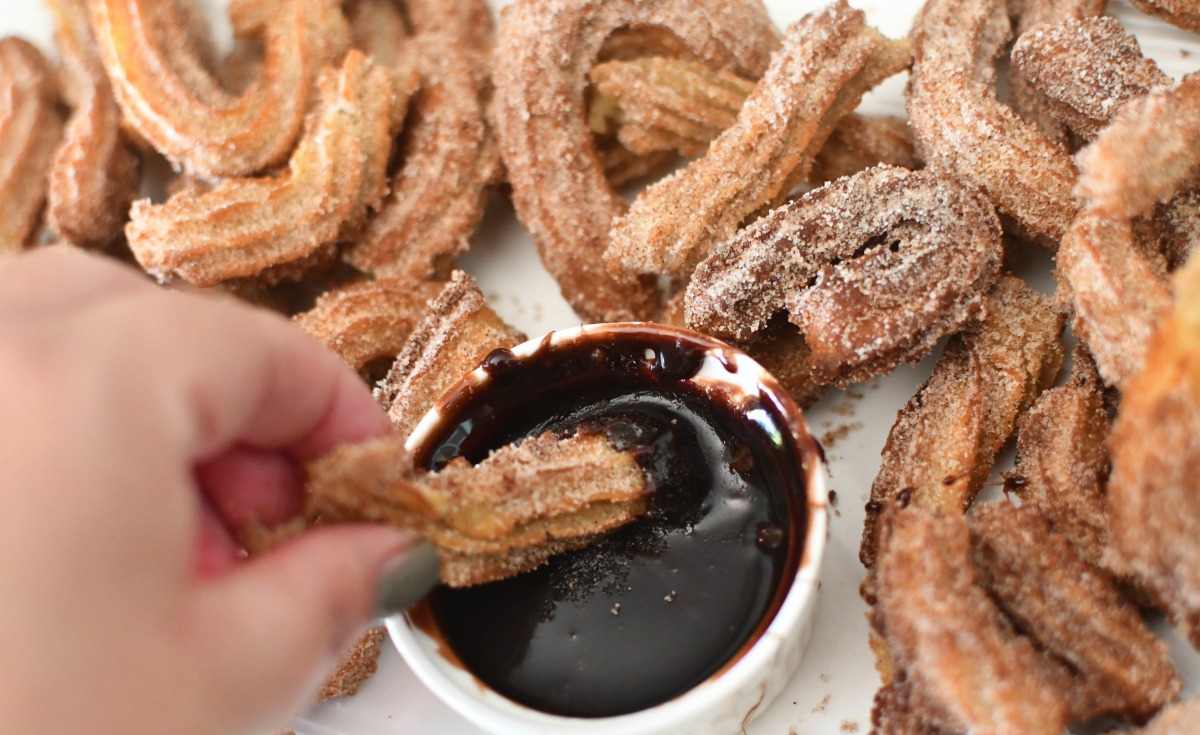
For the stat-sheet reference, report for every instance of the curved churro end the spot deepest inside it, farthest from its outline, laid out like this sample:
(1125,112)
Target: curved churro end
(450,161)
(366,322)
(559,187)
(95,171)
(1114,70)
(30,130)
(459,330)
(270,228)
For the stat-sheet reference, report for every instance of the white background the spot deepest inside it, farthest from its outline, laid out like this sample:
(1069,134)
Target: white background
(832,691)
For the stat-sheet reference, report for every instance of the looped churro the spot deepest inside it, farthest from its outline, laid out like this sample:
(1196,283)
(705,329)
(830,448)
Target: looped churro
(874,269)
(271,228)
(94,175)
(449,161)
(960,124)
(30,129)
(945,440)
(508,514)
(174,102)
(659,104)
(1117,294)
(1049,59)
(828,61)
(560,192)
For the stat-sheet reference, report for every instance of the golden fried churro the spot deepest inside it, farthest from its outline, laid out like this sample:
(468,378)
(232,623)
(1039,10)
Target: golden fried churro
(968,667)
(270,228)
(945,440)
(94,175)
(30,129)
(367,322)
(828,61)
(541,493)
(172,101)
(1117,294)
(458,331)
(1062,464)
(1156,458)
(1073,612)
(861,265)
(1049,59)
(1027,99)
(665,103)
(1182,13)
(960,124)
(559,188)
(449,161)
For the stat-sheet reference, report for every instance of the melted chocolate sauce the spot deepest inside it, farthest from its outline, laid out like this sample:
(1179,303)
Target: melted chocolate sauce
(665,602)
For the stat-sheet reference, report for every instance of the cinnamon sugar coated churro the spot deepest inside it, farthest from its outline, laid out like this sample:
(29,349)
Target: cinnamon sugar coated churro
(337,158)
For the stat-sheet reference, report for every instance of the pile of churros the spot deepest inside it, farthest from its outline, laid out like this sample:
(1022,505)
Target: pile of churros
(338,159)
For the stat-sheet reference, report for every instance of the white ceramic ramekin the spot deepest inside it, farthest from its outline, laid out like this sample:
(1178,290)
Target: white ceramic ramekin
(728,699)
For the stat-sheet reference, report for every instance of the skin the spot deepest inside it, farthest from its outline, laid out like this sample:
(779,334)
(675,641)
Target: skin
(140,426)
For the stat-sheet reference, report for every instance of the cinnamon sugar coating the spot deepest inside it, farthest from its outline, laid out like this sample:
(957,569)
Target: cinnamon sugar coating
(544,52)
(1117,294)
(366,322)
(457,332)
(94,175)
(1115,70)
(1062,464)
(658,104)
(1155,446)
(861,265)
(960,124)
(269,228)
(1074,613)
(945,440)
(1182,13)
(521,504)
(30,130)
(965,663)
(167,94)
(450,160)
(829,59)
(1028,99)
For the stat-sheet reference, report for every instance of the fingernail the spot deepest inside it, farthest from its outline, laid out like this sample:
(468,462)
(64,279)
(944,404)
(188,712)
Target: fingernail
(407,579)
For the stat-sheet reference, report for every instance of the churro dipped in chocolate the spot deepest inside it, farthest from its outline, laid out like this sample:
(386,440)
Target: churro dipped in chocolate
(506,515)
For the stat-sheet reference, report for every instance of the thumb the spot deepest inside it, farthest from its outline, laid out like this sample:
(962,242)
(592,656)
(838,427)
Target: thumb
(270,630)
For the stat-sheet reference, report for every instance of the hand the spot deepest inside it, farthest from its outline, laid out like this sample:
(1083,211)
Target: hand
(139,426)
